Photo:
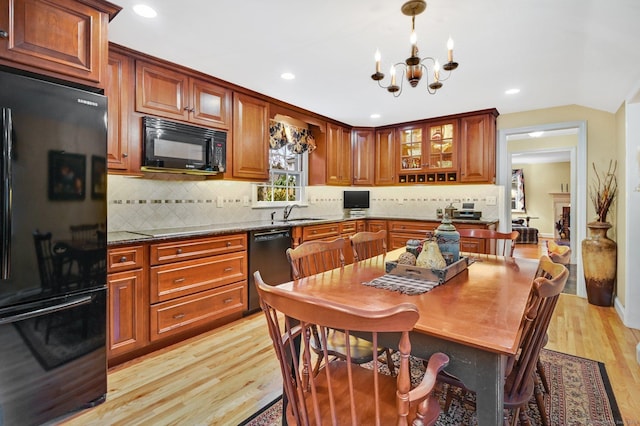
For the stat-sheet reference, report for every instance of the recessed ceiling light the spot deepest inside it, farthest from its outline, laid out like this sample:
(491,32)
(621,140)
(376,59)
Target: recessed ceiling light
(144,11)
(287,76)
(512,91)
(375,116)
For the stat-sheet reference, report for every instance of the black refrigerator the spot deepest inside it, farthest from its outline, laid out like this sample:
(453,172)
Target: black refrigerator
(53,250)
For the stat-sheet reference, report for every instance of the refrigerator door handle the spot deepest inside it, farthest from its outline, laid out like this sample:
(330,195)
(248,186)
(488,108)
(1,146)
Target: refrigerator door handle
(5,226)
(84,300)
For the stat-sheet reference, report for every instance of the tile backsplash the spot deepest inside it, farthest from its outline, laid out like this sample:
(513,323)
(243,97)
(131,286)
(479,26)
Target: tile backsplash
(137,204)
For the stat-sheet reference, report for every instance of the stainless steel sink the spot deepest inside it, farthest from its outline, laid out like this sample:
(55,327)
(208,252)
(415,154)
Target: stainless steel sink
(301,219)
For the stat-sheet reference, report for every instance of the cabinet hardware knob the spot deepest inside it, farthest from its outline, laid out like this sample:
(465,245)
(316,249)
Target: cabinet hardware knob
(228,243)
(178,316)
(123,259)
(4,34)
(179,251)
(125,155)
(178,280)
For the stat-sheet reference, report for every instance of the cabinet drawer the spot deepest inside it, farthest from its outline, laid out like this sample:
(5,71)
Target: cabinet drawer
(187,312)
(348,227)
(184,278)
(410,226)
(316,232)
(196,248)
(125,258)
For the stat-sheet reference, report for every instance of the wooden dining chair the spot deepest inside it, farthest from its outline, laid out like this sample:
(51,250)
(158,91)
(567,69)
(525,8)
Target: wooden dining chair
(84,232)
(558,253)
(314,257)
(367,244)
(505,242)
(520,377)
(343,392)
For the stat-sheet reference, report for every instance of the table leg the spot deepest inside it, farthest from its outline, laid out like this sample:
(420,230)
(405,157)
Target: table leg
(489,389)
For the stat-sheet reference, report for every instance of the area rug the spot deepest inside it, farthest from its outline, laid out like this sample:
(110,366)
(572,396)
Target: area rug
(580,394)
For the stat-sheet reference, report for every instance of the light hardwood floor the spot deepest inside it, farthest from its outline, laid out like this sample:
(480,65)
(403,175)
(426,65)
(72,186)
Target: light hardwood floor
(222,377)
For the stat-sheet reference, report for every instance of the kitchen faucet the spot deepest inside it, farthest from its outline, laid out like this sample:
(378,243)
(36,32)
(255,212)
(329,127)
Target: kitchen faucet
(287,210)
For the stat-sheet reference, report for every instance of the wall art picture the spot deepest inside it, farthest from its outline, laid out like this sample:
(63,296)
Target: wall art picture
(67,176)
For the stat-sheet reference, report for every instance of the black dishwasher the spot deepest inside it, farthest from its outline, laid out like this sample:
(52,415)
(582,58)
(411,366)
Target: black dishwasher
(267,254)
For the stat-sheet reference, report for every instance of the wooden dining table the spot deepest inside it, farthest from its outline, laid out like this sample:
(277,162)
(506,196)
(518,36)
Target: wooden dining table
(475,317)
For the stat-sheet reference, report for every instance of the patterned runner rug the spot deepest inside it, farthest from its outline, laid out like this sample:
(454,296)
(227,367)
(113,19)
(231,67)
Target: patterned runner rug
(580,394)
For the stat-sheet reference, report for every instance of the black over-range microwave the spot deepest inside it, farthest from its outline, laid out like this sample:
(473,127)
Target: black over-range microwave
(181,148)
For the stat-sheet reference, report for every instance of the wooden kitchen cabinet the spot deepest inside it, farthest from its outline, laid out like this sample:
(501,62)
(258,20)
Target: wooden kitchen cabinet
(123,153)
(402,230)
(442,145)
(363,156)
(249,153)
(324,231)
(338,155)
(399,231)
(172,94)
(375,225)
(127,315)
(65,39)
(195,282)
(478,148)
(385,157)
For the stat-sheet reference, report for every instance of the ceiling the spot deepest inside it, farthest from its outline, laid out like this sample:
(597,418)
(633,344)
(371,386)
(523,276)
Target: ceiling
(556,52)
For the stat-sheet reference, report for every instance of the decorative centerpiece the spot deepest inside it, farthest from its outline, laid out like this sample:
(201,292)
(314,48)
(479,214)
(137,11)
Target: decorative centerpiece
(448,239)
(599,253)
(430,256)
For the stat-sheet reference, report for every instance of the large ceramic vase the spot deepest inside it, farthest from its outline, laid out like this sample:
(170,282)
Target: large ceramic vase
(599,255)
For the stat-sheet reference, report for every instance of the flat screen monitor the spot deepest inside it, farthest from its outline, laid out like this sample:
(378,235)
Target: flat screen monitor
(356,199)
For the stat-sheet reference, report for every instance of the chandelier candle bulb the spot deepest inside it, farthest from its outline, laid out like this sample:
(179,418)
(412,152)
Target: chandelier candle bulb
(392,71)
(436,71)
(377,56)
(450,49)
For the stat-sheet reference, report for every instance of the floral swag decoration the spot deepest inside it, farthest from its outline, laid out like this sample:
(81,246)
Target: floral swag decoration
(296,139)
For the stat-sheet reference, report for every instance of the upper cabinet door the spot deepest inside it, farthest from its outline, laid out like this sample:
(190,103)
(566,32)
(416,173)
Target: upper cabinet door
(161,91)
(210,105)
(66,39)
(411,149)
(118,85)
(250,154)
(363,156)
(171,94)
(338,155)
(478,148)
(385,157)
(442,145)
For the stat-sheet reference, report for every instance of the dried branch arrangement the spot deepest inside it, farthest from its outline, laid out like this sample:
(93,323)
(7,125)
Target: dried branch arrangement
(604,190)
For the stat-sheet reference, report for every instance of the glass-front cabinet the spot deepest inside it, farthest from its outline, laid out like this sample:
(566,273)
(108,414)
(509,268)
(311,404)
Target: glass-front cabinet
(429,153)
(411,149)
(442,146)
(413,155)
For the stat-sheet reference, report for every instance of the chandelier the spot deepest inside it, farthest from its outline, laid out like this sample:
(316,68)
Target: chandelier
(414,67)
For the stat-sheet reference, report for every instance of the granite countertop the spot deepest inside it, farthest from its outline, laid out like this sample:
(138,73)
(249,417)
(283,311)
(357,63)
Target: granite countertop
(130,237)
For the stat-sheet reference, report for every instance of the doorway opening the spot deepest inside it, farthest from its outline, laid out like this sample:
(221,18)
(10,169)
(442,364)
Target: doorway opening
(576,188)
